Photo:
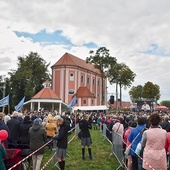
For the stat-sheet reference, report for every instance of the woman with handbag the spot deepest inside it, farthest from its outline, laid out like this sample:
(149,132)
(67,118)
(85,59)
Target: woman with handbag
(135,137)
(131,124)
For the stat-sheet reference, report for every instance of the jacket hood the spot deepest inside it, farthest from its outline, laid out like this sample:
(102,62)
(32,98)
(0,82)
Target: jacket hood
(51,120)
(36,127)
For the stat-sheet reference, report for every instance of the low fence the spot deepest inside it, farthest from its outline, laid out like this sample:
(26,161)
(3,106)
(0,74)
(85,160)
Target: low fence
(117,147)
(116,144)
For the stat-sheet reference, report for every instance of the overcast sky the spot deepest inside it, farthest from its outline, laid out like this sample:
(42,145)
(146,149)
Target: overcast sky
(137,32)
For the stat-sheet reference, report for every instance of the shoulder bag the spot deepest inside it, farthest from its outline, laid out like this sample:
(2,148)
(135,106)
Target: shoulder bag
(127,151)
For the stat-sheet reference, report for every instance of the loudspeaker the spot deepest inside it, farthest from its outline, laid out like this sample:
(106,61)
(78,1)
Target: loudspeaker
(111,100)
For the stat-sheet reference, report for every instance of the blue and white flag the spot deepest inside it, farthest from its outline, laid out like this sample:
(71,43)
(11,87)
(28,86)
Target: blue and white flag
(73,102)
(4,101)
(20,104)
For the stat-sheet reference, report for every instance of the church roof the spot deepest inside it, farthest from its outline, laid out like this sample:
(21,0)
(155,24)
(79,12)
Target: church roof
(45,93)
(84,92)
(71,60)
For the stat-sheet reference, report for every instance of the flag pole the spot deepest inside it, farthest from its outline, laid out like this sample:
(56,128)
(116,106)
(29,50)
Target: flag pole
(9,109)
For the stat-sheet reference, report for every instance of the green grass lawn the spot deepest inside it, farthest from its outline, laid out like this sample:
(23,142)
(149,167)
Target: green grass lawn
(101,149)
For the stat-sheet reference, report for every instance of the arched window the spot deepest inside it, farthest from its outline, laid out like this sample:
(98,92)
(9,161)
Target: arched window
(71,77)
(82,79)
(93,82)
(88,80)
(98,83)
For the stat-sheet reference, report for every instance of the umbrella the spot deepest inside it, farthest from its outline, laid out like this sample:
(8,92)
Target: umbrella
(162,108)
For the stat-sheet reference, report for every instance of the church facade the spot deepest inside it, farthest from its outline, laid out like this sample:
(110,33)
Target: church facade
(72,76)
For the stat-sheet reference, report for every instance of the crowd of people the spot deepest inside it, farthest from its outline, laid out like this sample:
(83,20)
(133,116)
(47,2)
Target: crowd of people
(149,130)
(35,130)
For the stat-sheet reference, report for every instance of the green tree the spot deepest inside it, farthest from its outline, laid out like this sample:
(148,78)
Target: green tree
(122,75)
(27,80)
(165,103)
(136,92)
(101,60)
(150,91)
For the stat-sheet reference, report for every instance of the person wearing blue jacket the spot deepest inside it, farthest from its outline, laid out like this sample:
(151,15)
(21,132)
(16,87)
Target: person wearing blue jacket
(135,137)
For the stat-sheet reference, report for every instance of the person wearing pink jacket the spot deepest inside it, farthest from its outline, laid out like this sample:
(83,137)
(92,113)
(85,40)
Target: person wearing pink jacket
(131,124)
(167,147)
(153,141)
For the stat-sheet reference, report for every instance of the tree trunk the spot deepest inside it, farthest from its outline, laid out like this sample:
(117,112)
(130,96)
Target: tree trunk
(102,101)
(120,95)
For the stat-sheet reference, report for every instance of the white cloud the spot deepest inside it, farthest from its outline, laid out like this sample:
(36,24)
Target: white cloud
(127,28)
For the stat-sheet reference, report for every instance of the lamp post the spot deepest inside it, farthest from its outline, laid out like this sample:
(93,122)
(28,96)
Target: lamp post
(3,93)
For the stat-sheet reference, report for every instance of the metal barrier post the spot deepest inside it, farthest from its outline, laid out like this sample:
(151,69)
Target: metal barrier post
(118,148)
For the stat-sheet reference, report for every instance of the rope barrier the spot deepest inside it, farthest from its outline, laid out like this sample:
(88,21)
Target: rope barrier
(55,154)
(35,152)
(29,155)
(48,161)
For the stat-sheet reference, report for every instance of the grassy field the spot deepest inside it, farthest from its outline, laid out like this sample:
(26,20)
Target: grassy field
(101,150)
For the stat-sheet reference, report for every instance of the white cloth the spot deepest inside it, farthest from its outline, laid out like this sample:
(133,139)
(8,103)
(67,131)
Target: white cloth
(145,107)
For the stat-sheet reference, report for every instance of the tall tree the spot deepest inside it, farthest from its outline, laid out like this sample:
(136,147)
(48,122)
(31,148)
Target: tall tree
(101,60)
(150,91)
(136,92)
(27,80)
(122,75)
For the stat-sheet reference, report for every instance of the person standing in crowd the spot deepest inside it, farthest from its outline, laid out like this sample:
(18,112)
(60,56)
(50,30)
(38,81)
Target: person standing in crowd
(3,154)
(20,117)
(86,140)
(145,107)
(95,125)
(135,137)
(118,127)
(131,124)
(3,126)
(6,118)
(167,147)
(153,141)
(51,130)
(44,122)
(14,127)
(62,142)
(109,128)
(24,131)
(37,139)
(99,119)
(165,124)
